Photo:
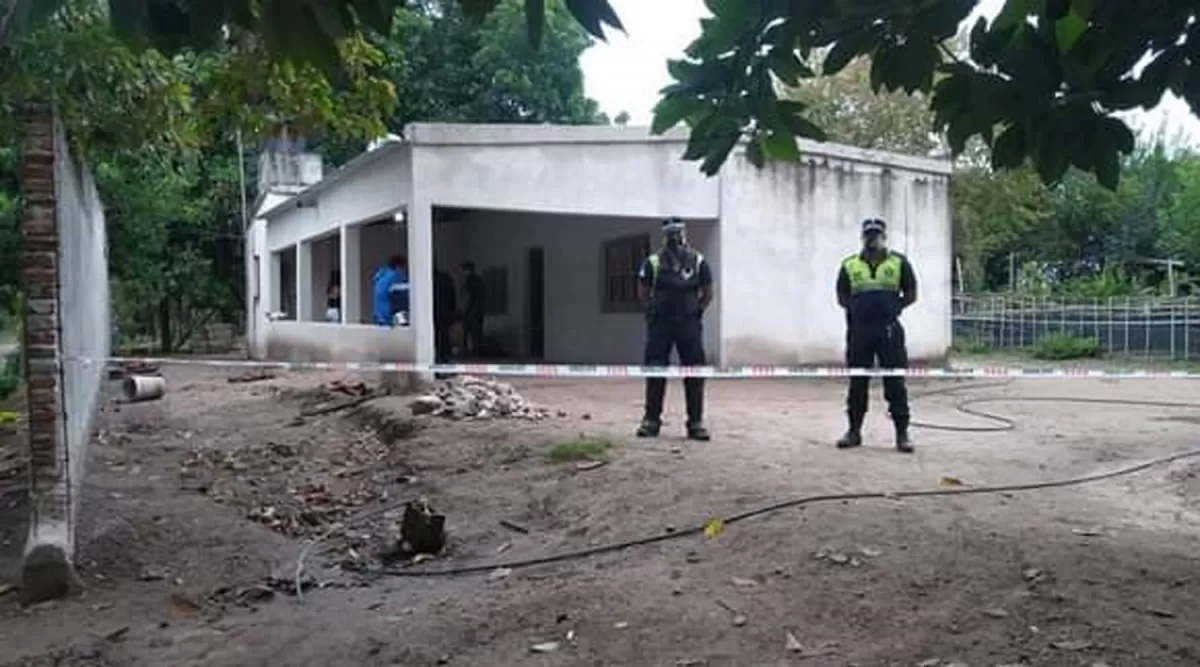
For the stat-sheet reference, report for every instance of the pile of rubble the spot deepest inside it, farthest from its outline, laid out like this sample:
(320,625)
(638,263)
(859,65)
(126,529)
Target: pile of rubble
(467,397)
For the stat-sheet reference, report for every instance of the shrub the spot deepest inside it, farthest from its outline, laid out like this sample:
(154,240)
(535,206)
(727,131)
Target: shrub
(971,345)
(1061,347)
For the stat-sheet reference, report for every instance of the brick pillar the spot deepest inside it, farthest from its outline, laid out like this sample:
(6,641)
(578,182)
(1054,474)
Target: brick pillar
(47,570)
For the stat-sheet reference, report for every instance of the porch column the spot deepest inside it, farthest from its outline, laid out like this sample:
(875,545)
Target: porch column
(274,284)
(304,285)
(351,274)
(420,266)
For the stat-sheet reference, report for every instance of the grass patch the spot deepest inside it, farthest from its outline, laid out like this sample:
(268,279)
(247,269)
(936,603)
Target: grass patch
(579,450)
(971,345)
(1064,347)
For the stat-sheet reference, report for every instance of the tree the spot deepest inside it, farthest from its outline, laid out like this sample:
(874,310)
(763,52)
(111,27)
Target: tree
(852,113)
(457,70)
(1041,82)
(306,31)
(621,119)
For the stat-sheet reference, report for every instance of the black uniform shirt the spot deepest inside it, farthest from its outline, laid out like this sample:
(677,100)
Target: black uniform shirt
(676,290)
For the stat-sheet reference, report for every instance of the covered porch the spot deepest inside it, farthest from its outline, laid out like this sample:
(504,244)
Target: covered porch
(556,220)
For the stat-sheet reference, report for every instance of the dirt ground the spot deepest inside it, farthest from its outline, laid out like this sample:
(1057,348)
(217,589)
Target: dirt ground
(197,506)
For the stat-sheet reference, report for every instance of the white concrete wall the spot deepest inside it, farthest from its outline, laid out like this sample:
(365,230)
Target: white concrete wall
(320,341)
(81,304)
(560,169)
(577,330)
(372,186)
(784,232)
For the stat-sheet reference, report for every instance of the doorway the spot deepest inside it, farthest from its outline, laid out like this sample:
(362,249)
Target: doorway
(537,303)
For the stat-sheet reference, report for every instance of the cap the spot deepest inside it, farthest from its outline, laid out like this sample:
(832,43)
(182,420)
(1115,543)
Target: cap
(874,225)
(673,224)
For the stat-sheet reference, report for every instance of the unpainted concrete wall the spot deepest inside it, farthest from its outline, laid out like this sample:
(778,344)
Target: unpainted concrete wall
(784,232)
(67,337)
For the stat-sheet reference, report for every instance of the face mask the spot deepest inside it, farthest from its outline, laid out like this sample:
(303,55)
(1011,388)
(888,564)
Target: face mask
(675,240)
(875,241)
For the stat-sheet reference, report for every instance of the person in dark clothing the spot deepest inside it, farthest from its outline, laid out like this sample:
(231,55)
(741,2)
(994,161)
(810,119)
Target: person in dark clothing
(333,298)
(676,284)
(473,311)
(874,287)
(445,305)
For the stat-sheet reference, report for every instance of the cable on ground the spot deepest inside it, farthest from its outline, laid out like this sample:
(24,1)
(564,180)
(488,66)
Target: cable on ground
(965,406)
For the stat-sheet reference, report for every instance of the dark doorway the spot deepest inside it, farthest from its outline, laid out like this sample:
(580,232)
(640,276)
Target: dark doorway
(537,303)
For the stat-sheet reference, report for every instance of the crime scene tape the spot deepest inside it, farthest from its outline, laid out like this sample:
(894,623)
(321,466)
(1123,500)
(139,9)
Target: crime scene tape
(630,371)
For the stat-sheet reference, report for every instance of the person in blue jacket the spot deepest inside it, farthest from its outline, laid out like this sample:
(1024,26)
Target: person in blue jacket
(391,293)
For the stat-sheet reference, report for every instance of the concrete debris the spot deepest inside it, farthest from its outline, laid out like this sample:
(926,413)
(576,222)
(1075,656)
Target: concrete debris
(467,397)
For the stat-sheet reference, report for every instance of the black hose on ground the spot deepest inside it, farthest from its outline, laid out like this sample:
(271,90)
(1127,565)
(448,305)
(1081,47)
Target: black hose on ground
(1003,424)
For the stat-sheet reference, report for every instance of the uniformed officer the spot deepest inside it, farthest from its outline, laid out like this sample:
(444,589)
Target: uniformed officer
(874,287)
(676,284)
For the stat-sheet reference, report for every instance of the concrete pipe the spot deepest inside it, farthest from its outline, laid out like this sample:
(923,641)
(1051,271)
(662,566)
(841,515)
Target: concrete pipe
(140,388)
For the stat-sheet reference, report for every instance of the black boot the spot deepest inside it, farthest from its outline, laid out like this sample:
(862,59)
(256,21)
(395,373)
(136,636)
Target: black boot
(693,391)
(904,444)
(853,436)
(649,428)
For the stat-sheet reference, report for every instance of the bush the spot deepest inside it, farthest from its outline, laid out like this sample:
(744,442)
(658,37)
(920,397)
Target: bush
(10,375)
(971,345)
(1061,347)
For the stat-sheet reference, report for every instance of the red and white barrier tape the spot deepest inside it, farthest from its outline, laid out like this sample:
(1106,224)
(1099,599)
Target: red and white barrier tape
(626,371)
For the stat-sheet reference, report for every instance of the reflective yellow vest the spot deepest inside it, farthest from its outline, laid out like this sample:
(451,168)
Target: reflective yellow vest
(885,279)
(656,262)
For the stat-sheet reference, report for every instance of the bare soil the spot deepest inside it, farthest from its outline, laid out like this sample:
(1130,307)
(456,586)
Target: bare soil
(196,508)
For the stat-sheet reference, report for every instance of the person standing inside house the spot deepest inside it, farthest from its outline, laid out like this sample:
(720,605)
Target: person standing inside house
(333,298)
(473,311)
(390,293)
(676,284)
(445,306)
(874,287)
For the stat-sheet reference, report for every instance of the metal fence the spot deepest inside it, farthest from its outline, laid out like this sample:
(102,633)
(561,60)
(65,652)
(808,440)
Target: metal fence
(1124,326)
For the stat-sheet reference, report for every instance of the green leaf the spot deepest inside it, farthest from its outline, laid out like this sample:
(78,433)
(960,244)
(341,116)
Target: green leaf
(1068,30)
(1108,167)
(593,15)
(1051,159)
(719,150)
(1010,149)
(1083,7)
(803,127)
(787,66)
(847,49)
(1015,12)
(670,111)
(699,139)
(781,147)
(1118,134)
(535,21)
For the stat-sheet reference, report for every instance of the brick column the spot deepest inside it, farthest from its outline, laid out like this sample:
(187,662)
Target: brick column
(47,570)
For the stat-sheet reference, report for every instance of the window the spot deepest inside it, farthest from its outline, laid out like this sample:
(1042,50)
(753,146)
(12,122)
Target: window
(623,258)
(495,291)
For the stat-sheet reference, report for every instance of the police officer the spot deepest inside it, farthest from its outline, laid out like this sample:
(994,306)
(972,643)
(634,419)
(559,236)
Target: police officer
(874,287)
(676,284)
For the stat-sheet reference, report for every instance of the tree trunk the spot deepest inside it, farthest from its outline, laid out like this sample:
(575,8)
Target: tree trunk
(164,326)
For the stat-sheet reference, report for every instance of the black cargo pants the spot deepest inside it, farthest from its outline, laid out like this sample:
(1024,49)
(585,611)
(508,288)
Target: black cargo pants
(686,336)
(864,346)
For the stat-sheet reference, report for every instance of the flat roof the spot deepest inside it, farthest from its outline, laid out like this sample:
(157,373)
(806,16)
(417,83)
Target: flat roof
(471,134)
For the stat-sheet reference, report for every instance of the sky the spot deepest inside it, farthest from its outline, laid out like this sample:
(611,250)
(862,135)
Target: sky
(626,73)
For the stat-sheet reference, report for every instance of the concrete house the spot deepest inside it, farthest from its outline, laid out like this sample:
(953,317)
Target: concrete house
(557,220)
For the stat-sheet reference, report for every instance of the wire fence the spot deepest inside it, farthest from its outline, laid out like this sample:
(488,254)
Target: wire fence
(1152,327)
